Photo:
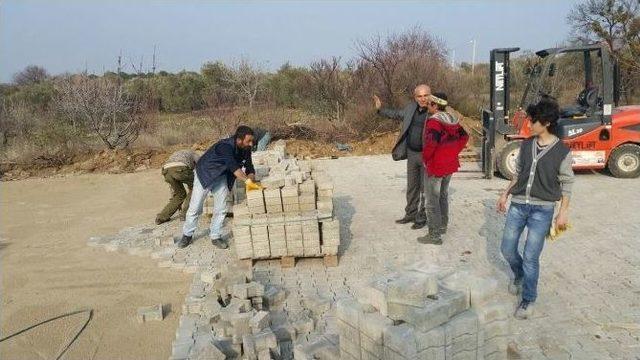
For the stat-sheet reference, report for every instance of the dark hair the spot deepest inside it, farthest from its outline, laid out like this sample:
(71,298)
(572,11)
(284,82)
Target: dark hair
(442,96)
(546,112)
(243,131)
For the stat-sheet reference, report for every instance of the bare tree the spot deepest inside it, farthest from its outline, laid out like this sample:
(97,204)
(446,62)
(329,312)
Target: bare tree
(331,84)
(246,81)
(32,74)
(103,107)
(617,23)
(388,55)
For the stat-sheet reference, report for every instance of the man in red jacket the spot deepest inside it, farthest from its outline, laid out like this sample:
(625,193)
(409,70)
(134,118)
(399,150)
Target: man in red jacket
(443,140)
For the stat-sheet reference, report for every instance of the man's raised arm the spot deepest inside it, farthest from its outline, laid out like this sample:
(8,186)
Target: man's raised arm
(386,112)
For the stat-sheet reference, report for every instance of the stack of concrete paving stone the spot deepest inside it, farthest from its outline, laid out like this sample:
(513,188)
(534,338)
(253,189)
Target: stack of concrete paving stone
(225,316)
(229,314)
(291,217)
(415,315)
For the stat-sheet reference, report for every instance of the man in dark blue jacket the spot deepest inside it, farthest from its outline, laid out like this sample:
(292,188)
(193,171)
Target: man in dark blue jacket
(215,172)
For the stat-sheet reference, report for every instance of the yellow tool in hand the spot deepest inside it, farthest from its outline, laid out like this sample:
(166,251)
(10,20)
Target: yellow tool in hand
(250,185)
(554,232)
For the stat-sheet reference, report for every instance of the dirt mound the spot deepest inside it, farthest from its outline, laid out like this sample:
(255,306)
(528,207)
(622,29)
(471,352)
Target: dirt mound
(131,160)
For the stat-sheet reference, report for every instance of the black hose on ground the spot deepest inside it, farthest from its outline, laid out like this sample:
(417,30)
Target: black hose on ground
(64,350)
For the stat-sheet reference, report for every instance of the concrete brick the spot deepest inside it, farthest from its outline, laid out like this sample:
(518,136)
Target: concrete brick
(271,194)
(434,338)
(265,340)
(497,310)
(303,324)
(456,300)
(349,340)
(318,305)
(249,347)
(375,294)
(465,323)
(273,181)
(371,348)
(372,325)
(275,219)
(411,288)
(291,207)
(290,191)
(401,339)
(273,296)
(329,250)
(255,194)
(295,251)
(273,209)
(239,231)
(264,355)
(307,206)
(350,311)
(260,321)
(258,230)
(433,313)
(149,313)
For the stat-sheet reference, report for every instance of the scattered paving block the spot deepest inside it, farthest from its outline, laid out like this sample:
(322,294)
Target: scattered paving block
(274,296)
(148,313)
(260,321)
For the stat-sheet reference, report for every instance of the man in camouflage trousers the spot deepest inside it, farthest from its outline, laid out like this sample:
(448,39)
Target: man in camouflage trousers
(178,172)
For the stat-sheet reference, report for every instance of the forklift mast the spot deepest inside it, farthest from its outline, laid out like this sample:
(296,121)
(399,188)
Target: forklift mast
(495,121)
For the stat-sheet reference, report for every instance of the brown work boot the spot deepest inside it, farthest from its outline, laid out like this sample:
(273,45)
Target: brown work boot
(161,221)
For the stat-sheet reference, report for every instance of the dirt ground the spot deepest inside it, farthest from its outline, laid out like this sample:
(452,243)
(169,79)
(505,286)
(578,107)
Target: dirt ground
(48,270)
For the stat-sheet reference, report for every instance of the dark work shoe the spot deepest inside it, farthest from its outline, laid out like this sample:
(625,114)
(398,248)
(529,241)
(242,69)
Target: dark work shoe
(405,220)
(219,243)
(184,242)
(161,221)
(430,239)
(418,225)
(524,310)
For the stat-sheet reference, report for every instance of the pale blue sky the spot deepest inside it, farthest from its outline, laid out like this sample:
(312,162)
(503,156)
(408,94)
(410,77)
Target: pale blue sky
(69,35)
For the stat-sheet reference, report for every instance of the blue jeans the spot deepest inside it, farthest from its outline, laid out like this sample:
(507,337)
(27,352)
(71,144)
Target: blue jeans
(263,142)
(198,195)
(537,219)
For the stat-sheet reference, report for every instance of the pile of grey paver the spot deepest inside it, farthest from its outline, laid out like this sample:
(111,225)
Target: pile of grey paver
(417,314)
(292,216)
(230,315)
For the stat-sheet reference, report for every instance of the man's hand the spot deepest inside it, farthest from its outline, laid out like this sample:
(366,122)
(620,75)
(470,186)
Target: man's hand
(562,220)
(502,203)
(376,101)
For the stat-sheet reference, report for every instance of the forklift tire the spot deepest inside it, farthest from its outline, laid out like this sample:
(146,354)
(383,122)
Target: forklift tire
(506,159)
(624,161)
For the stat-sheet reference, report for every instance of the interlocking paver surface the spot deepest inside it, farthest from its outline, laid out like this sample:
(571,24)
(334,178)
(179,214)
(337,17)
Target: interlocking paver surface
(589,289)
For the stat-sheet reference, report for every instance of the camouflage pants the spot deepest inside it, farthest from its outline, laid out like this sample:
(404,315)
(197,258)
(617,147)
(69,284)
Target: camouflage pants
(177,177)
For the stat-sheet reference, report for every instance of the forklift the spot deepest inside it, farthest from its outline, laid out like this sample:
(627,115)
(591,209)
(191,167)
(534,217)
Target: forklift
(599,133)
